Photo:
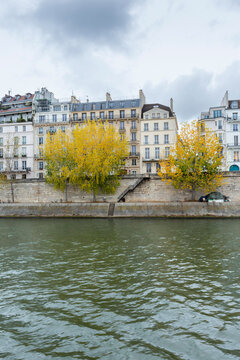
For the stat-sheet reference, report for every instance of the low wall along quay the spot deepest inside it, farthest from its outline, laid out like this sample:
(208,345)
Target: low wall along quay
(138,196)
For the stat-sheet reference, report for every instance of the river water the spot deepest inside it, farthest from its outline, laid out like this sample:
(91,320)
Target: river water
(119,289)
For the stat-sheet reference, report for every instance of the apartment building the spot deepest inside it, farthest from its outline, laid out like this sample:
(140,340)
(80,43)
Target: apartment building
(16,150)
(50,114)
(224,121)
(158,133)
(16,108)
(124,114)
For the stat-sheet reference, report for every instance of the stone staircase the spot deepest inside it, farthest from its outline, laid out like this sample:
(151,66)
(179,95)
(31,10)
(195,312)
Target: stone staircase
(132,187)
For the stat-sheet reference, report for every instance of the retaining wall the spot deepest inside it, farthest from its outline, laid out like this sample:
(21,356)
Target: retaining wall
(122,210)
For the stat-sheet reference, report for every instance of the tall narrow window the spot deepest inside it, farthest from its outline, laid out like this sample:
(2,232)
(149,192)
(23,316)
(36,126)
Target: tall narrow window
(166,139)
(147,153)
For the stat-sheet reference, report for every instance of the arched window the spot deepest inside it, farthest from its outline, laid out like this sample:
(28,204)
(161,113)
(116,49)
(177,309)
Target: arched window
(234,168)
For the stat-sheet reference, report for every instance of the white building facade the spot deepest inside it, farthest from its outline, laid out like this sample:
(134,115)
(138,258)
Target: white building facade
(16,150)
(224,121)
(50,115)
(158,134)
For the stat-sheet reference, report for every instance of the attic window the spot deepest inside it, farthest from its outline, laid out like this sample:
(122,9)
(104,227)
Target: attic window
(155,106)
(234,104)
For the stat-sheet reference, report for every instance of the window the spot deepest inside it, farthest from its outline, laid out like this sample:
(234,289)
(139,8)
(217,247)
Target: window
(235,127)
(133,126)
(157,153)
(24,152)
(24,140)
(134,162)
(133,113)
(63,129)
(1,152)
(101,114)
(1,141)
(24,176)
(156,139)
(235,140)
(1,129)
(146,117)
(16,128)
(92,115)
(40,130)
(167,152)
(220,125)
(145,139)
(220,136)
(133,152)
(121,125)
(158,115)
(16,140)
(217,113)
(93,106)
(166,126)
(1,165)
(122,114)
(134,137)
(64,117)
(40,141)
(236,156)
(75,117)
(166,139)
(40,175)
(147,153)
(235,116)
(134,172)
(40,165)
(65,107)
(24,128)
(54,118)
(24,165)
(145,126)
(57,108)
(41,118)
(110,114)
(156,126)
(165,115)
(84,116)
(153,115)
(234,104)
(158,167)
(149,167)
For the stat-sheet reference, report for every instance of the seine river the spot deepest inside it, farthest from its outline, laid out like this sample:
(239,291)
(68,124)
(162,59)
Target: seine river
(119,289)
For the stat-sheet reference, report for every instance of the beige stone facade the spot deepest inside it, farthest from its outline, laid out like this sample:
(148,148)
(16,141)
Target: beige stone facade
(124,114)
(158,134)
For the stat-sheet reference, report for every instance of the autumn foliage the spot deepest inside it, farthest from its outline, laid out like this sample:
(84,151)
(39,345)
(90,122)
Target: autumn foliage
(90,157)
(195,160)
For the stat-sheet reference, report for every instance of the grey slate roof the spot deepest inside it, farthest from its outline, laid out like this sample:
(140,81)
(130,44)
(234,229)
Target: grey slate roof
(106,105)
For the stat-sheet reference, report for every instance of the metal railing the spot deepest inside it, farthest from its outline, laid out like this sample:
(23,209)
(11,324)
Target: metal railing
(106,117)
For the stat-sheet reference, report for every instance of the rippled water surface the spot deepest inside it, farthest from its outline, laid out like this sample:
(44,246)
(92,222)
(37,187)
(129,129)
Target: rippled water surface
(119,289)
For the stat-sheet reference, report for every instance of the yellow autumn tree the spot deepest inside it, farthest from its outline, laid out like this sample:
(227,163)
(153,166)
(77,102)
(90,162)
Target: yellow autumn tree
(90,157)
(195,160)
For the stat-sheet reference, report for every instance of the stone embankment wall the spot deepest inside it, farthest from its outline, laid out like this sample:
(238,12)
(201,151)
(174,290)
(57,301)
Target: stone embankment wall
(149,190)
(123,210)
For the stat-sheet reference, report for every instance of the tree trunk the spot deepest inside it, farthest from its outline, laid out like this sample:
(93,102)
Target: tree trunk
(66,192)
(94,196)
(193,193)
(12,191)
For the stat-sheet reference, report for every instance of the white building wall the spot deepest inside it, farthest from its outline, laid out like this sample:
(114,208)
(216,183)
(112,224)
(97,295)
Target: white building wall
(20,156)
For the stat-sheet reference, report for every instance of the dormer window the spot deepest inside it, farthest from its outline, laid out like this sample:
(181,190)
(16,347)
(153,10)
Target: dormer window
(234,104)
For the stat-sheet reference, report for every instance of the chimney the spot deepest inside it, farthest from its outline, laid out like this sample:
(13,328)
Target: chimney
(225,99)
(171,104)
(108,96)
(74,100)
(142,97)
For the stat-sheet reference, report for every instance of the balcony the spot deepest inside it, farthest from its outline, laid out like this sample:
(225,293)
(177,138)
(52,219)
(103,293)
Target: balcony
(134,154)
(122,131)
(232,146)
(107,117)
(16,171)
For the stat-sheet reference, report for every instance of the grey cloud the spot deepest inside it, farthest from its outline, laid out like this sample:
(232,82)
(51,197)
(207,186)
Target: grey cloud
(198,91)
(77,21)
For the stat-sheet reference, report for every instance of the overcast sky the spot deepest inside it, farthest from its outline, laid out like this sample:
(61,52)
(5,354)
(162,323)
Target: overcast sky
(185,49)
